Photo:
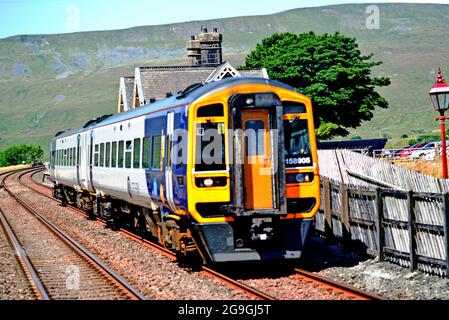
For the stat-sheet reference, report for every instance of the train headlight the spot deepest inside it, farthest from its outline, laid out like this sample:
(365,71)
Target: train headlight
(300,177)
(303,177)
(208,182)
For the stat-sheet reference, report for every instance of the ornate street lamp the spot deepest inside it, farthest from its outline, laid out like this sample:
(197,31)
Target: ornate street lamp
(439,95)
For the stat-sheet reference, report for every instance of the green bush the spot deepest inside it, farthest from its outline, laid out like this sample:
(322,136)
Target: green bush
(17,154)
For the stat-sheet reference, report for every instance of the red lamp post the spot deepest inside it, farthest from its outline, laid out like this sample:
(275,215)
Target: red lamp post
(439,95)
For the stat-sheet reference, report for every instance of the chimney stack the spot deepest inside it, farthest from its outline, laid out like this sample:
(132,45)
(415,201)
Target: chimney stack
(205,50)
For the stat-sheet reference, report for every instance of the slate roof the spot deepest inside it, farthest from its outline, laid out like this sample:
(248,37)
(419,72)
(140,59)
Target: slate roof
(364,144)
(157,81)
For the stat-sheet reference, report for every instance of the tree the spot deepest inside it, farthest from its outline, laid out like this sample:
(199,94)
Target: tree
(16,154)
(331,70)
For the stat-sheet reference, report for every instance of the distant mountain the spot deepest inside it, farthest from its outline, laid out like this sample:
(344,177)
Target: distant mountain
(52,82)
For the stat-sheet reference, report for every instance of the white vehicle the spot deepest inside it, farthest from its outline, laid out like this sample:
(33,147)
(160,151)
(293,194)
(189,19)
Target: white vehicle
(424,151)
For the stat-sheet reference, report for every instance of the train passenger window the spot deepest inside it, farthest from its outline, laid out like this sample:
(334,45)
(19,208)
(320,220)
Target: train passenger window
(156,153)
(65,157)
(97,156)
(120,154)
(146,152)
(114,155)
(128,153)
(213,110)
(102,155)
(136,154)
(108,154)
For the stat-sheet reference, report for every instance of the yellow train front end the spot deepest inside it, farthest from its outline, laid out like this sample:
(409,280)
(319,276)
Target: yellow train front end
(253,180)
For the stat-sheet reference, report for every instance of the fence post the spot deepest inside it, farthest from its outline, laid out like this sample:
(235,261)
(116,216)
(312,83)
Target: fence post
(446,229)
(379,224)
(344,214)
(327,209)
(411,229)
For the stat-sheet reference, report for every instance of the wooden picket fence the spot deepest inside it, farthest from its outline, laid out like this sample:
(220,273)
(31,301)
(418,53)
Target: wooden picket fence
(394,213)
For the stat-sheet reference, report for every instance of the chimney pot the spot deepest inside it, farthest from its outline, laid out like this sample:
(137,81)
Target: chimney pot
(192,37)
(205,30)
(215,29)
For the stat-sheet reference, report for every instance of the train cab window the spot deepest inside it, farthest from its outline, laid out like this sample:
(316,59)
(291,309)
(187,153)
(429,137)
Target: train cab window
(291,107)
(136,154)
(102,155)
(108,154)
(114,155)
(213,110)
(128,153)
(146,152)
(97,155)
(297,143)
(156,153)
(210,150)
(121,150)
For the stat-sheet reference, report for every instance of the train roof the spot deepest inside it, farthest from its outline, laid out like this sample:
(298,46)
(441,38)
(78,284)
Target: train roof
(188,96)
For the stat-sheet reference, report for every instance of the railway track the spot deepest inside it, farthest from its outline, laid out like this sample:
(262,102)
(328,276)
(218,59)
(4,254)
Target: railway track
(317,281)
(57,266)
(343,289)
(208,271)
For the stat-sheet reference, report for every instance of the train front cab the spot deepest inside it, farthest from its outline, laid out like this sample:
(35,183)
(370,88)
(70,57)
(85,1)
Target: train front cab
(258,202)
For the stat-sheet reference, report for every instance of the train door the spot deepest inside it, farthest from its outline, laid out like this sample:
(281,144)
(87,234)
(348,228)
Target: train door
(257,168)
(168,162)
(78,159)
(258,173)
(88,154)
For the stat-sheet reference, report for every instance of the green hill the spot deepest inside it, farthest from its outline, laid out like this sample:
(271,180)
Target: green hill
(53,82)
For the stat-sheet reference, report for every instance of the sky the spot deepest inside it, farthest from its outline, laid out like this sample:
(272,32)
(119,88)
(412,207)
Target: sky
(63,16)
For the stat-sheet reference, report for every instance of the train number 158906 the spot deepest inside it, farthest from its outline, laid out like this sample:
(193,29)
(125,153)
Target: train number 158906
(298,161)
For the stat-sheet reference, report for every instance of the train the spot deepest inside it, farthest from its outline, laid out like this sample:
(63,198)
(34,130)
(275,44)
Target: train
(226,171)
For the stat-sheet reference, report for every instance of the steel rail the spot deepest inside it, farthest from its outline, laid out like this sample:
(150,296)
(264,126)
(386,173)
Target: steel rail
(337,286)
(25,263)
(208,271)
(78,248)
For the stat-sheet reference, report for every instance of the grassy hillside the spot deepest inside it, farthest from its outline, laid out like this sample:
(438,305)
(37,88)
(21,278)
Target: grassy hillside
(52,82)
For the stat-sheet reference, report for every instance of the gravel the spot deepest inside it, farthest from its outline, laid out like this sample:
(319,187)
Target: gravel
(13,282)
(384,278)
(155,275)
(349,267)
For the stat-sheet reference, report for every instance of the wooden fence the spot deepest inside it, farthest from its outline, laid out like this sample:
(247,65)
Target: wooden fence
(407,227)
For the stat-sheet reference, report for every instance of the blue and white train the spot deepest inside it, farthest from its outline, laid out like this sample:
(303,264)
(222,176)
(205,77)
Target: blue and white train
(150,167)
